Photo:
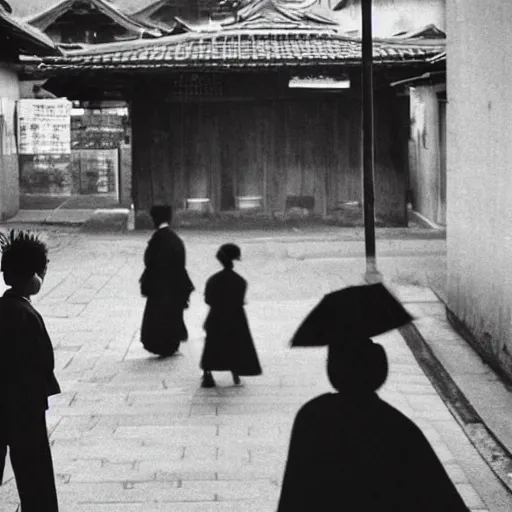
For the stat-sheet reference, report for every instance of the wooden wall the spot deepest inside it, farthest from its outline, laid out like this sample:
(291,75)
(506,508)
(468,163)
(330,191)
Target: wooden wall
(427,151)
(300,146)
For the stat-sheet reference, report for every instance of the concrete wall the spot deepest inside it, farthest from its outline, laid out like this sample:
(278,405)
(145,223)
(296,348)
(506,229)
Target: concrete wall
(9,171)
(393,16)
(479,163)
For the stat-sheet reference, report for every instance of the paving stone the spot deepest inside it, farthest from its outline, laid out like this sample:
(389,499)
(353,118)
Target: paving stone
(425,402)
(61,310)
(8,491)
(130,429)
(200,506)
(98,281)
(82,296)
(236,490)
(456,473)
(135,492)
(178,476)
(470,496)
(176,433)
(123,472)
(442,452)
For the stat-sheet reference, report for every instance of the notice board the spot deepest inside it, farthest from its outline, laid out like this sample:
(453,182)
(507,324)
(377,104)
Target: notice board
(44,127)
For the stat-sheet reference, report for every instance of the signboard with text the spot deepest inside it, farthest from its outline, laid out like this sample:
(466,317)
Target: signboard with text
(44,127)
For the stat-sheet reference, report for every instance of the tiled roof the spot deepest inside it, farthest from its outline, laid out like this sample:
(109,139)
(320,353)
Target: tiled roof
(30,8)
(265,14)
(240,49)
(29,40)
(46,18)
(441,57)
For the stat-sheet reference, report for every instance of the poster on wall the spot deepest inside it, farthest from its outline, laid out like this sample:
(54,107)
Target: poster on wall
(44,127)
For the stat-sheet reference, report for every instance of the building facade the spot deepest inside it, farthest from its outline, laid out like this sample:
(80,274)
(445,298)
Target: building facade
(89,22)
(16,38)
(263,112)
(479,160)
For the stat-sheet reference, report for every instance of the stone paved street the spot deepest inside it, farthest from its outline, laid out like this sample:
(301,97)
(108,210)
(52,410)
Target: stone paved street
(134,433)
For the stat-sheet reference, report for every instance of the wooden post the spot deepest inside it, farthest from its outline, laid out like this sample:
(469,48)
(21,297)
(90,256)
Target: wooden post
(368,141)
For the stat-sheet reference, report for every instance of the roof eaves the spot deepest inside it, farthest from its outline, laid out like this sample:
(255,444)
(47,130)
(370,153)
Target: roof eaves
(182,57)
(44,19)
(340,5)
(41,21)
(149,10)
(40,43)
(209,65)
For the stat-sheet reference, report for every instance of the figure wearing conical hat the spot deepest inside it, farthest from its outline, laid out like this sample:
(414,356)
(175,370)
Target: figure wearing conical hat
(351,450)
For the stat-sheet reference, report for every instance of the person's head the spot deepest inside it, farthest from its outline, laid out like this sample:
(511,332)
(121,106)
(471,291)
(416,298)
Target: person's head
(359,366)
(24,261)
(227,253)
(161,214)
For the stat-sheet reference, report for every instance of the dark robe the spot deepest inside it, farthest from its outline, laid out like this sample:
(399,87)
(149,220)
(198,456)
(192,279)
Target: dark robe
(27,379)
(361,454)
(229,345)
(167,286)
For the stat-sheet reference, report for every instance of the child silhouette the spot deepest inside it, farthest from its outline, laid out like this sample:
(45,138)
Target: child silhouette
(26,373)
(229,345)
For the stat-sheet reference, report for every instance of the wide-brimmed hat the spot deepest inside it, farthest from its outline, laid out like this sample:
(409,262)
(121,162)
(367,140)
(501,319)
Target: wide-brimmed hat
(351,314)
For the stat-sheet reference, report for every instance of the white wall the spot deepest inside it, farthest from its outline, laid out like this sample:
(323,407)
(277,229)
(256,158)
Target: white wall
(479,167)
(9,170)
(9,83)
(393,16)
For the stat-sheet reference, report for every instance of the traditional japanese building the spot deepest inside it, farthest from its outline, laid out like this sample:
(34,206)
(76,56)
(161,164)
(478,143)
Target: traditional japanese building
(16,38)
(392,17)
(90,22)
(164,12)
(415,20)
(263,112)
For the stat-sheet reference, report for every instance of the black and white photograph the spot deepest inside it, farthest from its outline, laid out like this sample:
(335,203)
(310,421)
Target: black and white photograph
(254,256)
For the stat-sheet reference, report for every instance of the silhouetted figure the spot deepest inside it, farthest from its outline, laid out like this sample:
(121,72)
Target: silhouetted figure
(229,345)
(167,286)
(27,376)
(352,451)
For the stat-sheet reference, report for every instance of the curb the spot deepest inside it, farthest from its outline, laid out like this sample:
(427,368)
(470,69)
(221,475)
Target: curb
(490,448)
(107,221)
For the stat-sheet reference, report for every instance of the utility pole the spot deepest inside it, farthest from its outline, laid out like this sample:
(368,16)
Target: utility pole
(372,273)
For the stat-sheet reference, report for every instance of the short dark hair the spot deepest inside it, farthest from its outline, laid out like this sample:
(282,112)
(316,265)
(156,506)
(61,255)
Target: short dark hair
(23,253)
(227,253)
(161,213)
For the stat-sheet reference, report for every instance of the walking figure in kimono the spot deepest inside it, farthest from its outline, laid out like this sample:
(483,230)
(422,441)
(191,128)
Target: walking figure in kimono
(351,450)
(228,345)
(27,376)
(167,286)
